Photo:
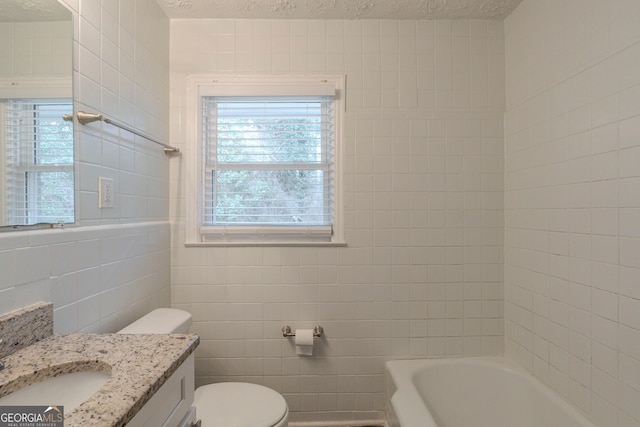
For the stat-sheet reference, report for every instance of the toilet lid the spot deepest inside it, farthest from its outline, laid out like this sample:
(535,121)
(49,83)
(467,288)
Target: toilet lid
(238,405)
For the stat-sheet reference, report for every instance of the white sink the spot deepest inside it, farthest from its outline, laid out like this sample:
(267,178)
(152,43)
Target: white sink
(68,390)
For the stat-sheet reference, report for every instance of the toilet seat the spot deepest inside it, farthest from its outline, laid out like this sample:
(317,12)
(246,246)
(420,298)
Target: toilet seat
(240,405)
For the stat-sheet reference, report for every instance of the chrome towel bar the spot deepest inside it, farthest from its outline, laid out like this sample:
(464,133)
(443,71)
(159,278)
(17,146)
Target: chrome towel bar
(84,118)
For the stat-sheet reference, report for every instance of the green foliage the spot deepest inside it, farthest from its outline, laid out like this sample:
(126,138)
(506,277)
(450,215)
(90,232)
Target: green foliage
(271,168)
(270,197)
(54,142)
(54,197)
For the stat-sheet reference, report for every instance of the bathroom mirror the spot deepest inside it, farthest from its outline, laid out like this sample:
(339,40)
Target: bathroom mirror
(36,91)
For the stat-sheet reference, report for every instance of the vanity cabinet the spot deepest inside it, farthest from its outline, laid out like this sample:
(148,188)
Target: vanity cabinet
(172,404)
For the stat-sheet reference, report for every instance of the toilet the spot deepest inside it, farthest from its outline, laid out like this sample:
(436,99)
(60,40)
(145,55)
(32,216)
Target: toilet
(230,404)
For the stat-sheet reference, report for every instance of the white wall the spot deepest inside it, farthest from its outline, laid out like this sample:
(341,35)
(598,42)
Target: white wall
(422,275)
(35,49)
(572,201)
(113,265)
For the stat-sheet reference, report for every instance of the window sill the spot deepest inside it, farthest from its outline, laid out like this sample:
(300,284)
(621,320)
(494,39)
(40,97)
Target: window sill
(262,235)
(264,243)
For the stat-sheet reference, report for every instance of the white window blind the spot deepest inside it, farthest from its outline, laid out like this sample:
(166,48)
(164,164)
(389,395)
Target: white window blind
(268,164)
(38,173)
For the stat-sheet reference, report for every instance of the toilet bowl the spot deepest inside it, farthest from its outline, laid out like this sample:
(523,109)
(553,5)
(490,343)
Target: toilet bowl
(230,404)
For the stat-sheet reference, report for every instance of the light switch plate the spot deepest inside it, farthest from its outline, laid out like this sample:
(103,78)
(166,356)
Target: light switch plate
(106,192)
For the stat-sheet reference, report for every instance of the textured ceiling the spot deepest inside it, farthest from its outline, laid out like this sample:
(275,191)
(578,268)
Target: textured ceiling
(338,9)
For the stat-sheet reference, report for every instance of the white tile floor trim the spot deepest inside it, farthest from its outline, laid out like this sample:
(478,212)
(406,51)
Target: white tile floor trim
(370,423)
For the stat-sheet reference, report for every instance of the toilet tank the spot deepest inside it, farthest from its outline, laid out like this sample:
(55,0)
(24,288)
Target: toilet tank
(160,321)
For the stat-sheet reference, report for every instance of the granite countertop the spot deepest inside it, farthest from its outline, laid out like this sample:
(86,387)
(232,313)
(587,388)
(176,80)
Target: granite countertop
(138,365)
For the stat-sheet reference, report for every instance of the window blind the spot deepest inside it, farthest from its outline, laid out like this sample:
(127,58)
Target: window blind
(38,157)
(268,161)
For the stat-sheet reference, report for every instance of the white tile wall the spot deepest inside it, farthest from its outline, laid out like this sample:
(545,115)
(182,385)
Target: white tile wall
(116,266)
(99,278)
(422,275)
(572,180)
(35,49)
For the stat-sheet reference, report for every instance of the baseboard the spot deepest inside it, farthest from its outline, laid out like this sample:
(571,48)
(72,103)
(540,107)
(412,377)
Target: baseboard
(348,423)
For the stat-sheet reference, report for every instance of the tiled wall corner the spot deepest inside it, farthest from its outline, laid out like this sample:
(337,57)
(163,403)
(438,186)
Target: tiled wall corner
(572,211)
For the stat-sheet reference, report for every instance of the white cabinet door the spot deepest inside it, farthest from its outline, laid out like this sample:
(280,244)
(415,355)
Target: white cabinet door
(171,404)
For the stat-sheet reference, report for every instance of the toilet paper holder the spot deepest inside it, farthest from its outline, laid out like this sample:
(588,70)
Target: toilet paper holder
(318,331)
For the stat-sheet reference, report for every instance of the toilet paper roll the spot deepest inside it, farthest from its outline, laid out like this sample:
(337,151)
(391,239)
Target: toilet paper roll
(304,342)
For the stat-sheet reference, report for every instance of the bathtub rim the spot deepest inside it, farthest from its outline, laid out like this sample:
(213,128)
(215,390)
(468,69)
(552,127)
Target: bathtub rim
(405,398)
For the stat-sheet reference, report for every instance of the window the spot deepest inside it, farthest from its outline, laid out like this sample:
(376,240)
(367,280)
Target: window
(268,158)
(38,161)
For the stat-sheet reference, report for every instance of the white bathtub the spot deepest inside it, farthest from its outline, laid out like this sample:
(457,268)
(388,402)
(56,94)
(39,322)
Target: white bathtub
(472,392)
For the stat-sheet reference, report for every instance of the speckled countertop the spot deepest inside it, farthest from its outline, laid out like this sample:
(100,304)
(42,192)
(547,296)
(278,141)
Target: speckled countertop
(138,366)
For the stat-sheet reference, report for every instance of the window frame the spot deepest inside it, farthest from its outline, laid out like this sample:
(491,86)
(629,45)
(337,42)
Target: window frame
(200,86)
(27,187)
(30,169)
(37,88)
